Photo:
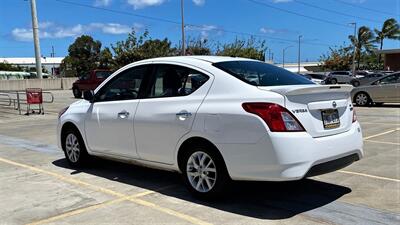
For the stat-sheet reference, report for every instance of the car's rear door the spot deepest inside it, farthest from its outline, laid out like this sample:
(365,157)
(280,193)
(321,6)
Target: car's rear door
(109,121)
(390,88)
(174,95)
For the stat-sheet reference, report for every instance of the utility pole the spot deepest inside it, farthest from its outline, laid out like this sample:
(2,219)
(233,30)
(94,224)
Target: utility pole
(183,29)
(283,55)
(35,28)
(355,48)
(52,55)
(298,59)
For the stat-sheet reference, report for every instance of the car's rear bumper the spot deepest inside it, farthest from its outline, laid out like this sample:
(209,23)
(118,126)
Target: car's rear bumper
(292,156)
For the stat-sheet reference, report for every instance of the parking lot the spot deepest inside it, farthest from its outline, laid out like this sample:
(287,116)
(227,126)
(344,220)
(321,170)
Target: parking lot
(38,187)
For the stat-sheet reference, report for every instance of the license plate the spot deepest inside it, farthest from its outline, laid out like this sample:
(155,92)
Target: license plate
(330,118)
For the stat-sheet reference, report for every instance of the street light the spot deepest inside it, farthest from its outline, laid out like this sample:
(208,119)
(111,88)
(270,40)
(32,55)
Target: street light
(298,58)
(355,48)
(283,55)
(183,29)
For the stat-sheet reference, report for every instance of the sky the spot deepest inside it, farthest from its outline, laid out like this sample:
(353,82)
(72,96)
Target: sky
(321,23)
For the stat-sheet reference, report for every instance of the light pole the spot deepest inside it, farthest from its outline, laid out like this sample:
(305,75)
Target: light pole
(35,29)
(298,58)
(355,48)
(183,29)
(283,55)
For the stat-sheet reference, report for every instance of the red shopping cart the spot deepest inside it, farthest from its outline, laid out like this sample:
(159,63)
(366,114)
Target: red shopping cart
(34,96)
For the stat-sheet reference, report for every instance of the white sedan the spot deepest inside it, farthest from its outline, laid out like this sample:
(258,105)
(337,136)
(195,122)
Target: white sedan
(214,119)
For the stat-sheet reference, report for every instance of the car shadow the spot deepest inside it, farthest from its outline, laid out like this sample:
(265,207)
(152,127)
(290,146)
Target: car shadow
(262,200)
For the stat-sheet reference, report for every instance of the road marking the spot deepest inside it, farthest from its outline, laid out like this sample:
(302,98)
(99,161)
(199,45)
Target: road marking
(368,175)
(383,133)
(392,124)
(94,207)
(110,192)
(383,142)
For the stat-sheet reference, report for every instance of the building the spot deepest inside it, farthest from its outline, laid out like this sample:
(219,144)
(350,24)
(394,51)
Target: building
(391,59)
(304,67)
(50,64)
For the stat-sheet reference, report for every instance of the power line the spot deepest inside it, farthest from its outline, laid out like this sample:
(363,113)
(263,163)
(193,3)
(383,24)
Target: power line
(187,24)
(336,12)
(298,14)
(365,8)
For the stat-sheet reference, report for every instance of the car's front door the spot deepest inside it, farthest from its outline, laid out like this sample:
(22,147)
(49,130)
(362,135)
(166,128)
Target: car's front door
(167,113)
(109,121)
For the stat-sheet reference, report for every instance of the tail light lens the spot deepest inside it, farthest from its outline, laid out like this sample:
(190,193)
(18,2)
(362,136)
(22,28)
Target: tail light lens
(278,118)
(354,116)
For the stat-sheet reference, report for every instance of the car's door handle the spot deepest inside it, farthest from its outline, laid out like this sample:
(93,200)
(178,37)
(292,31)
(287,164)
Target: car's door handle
(123,114)
(184,114)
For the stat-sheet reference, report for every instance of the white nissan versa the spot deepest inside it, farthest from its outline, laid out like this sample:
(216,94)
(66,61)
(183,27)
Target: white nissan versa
(214,119)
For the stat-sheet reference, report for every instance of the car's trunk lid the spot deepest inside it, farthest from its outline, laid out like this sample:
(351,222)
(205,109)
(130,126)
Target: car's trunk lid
(310,103)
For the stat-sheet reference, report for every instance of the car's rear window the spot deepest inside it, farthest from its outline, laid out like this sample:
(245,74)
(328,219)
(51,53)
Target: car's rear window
(261,74)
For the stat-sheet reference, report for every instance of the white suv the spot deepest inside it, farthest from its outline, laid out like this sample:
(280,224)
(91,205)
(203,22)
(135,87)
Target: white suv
(214,119)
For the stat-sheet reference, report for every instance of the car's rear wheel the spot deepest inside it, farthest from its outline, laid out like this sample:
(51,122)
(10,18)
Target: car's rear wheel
(204,172)
(77,93)
(333,81)
(362,99)
(355,83)
(74,148)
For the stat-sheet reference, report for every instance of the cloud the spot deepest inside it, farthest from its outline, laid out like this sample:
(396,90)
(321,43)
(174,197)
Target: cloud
(102,2)
(199,2)
(267,30)
(138,4)
(281,1)
(51,30)
(204,30)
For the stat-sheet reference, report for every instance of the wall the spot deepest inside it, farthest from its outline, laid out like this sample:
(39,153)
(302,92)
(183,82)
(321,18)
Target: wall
(45,84)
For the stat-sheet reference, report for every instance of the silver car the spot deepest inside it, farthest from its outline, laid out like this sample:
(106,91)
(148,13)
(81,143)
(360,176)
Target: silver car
(384,90)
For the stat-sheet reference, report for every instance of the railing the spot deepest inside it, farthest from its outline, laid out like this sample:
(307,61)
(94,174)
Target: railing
(18,98)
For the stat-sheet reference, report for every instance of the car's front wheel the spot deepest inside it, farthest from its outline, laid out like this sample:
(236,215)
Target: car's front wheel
(77,93)
(362,99)
(74,148)
(204,172)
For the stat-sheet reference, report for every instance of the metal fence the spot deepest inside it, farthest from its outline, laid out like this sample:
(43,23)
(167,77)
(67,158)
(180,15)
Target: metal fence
(18,99)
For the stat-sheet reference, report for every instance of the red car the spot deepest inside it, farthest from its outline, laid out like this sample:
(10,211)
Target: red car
(89,81)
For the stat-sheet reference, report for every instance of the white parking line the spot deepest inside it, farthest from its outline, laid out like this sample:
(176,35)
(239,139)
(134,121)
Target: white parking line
(383,133)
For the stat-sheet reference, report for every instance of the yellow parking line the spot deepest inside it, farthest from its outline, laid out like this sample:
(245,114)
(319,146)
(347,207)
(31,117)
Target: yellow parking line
(383,142)
(369,175)
(110,192)
(383,133)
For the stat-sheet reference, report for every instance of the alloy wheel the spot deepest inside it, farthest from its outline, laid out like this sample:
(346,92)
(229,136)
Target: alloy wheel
(72,148)
(201,172)
(361,99)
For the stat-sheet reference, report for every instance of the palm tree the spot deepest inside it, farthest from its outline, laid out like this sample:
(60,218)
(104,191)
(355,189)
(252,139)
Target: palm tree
(390,30)
(364,42)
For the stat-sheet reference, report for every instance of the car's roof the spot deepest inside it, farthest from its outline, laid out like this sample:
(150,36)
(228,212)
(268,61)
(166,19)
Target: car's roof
(205,58)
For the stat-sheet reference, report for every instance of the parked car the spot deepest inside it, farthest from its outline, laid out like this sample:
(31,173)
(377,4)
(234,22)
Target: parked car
(316,77)
(342,77)
(384,90)
(89,81)
(203,117)
(370,77)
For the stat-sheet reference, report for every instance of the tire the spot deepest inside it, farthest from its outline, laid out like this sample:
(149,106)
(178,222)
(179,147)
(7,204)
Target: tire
(204,180)
(74,148)
(355,83)
(333,81)
(362,99)
(77,93)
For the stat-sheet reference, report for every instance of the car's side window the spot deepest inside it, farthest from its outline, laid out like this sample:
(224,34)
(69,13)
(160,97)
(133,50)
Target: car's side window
(172,81)
(390,79)
(125,86)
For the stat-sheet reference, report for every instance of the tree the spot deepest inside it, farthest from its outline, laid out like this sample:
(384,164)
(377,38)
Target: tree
(389,30)
(84,55)
(105,59)
(138,48)
(244,48)
(197,47)
(338,59)
(4,66)
(364,42)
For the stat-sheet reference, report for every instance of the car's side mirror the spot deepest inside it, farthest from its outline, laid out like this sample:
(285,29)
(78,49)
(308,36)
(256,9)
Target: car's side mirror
(88,95)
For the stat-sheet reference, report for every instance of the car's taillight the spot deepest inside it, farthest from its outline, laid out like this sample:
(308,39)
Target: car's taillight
(354,116)
(278,118)
(62,111)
